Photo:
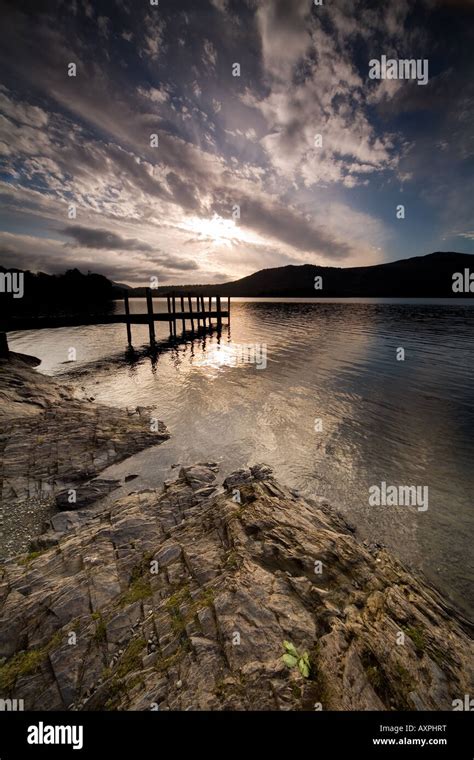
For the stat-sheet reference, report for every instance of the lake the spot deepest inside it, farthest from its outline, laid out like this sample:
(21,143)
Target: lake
(315,390)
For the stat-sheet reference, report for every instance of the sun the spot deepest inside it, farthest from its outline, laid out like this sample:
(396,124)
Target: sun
(217,230)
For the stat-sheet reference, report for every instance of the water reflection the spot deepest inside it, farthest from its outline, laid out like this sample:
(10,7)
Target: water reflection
(403,422)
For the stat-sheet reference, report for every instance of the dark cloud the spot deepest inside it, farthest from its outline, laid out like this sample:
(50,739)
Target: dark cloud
(285,224)
(47,255)
(179,264)
(290,227)
(90,238)
(184,194)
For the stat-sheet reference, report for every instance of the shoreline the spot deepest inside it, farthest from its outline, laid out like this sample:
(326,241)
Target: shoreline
(54,441)
(182,596)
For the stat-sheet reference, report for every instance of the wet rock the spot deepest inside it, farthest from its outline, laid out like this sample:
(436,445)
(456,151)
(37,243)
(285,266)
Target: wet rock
(168,554)
(145,411)
(50,439)
(65,521)
(70,603)
(118,628)
(261,471)
(85,495)
(45,541)
(197,476)
(204,629)
(237,478)
(205,492)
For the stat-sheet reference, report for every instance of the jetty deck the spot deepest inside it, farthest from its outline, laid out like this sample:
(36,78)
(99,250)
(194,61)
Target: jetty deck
(180,309)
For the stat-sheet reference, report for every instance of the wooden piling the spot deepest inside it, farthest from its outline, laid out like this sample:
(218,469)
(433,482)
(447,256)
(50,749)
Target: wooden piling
(198,311)
(182,312)
(190,304)
(210,311)
(203,312)
(173,298)
(168,298)
(128,325)
(151,322)
(219,315)
(228,309)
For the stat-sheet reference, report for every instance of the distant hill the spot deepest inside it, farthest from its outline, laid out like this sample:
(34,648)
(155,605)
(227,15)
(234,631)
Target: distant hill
(121,286)
(429,276)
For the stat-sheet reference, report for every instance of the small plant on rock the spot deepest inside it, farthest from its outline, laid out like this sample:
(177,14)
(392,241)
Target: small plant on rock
(292,657)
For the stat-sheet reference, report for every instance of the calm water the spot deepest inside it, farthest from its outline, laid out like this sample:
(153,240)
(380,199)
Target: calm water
(403,422)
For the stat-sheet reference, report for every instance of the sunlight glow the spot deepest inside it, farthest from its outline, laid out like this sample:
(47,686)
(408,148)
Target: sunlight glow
(220,231)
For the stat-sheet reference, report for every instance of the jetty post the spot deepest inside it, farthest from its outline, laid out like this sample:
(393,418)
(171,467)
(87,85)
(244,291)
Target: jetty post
(173,301)
(151,321)
(190,304)
(203,309)
(127,323)
(219,314)
(182,312)
(198,311)
(170,320)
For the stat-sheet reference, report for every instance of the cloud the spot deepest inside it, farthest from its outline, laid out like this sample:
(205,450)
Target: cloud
(209,54)
(221,5)
(328,99)
(22,113)
(184,194)
(284,35)
(154,36)
(104,25)
(154,94)
(289,226)
(93,238)
(88,9)
(48,255)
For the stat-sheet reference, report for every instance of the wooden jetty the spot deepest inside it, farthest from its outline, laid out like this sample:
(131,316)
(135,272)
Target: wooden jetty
(184,313)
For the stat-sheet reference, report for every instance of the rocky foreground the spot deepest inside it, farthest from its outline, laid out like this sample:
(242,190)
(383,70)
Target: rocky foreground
(198,596)
(53,440)
(182,598)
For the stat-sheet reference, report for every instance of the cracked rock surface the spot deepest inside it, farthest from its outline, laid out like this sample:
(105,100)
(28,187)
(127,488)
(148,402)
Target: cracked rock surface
(51,440)
(181,598)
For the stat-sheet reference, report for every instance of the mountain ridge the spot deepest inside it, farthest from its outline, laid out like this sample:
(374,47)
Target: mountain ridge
(428,275)
(425,276)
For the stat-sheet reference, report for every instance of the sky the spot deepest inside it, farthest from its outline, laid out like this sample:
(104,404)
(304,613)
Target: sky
(156,160)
